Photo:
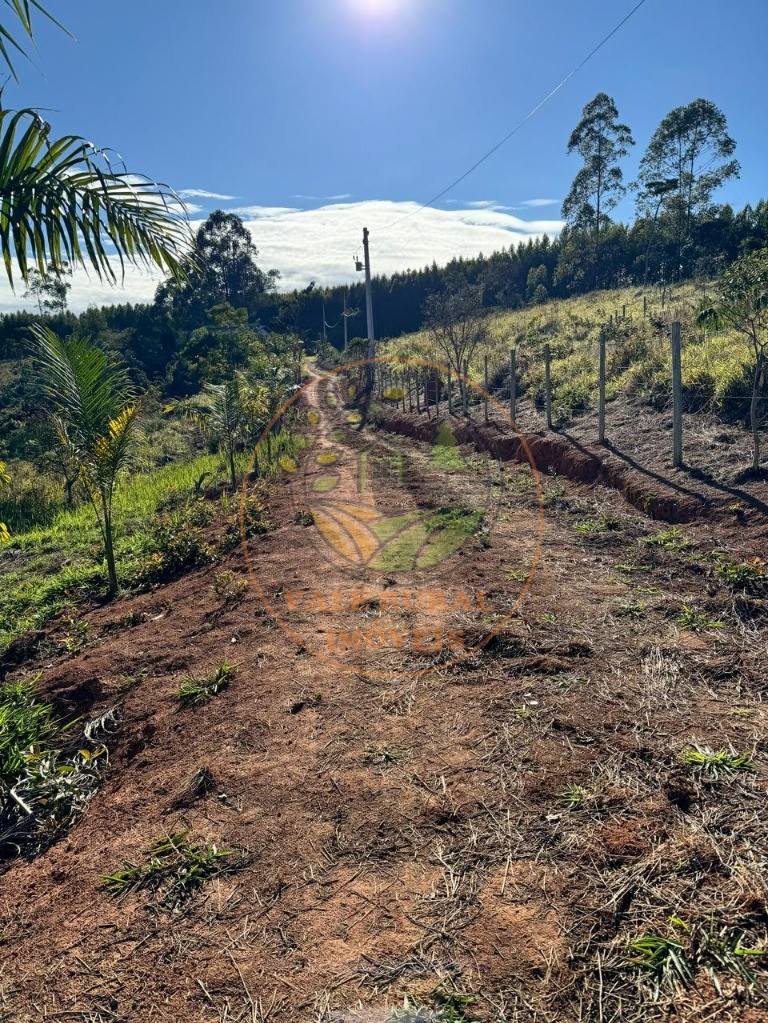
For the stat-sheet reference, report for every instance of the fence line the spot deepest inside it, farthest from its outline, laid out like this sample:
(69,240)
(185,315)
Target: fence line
(424,389)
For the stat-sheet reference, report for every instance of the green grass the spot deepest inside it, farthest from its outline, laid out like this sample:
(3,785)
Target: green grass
(197,689)
(696,621)
(26,725)
(715,367)
(669,540)
(572,796)
(605,524)
(716,765)
(175,868)
(48,772)
(673,960)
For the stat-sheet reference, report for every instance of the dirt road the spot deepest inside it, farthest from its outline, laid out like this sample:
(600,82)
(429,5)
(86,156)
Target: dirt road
(422,817)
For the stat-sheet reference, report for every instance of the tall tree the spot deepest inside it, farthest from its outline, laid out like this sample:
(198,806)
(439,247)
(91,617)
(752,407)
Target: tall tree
(602,142)
(692,147)
(226,271)
(50,289)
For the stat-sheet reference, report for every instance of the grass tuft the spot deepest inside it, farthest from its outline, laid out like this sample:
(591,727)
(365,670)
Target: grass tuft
(197,689)
(174,870)
(717,764)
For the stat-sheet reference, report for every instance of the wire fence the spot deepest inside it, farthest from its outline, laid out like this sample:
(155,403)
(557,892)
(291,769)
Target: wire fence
(431,390)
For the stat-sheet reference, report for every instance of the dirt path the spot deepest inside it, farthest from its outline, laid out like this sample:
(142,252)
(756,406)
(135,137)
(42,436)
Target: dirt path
(500,826)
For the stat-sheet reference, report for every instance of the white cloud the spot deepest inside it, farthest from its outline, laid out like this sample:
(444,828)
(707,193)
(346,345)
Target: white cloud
(319,244)
(532,203)
(325,198)
(200,193)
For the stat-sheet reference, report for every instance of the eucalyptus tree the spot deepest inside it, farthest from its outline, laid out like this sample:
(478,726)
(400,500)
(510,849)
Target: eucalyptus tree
(602,142)
(95,413)
(741,304)
(691,147)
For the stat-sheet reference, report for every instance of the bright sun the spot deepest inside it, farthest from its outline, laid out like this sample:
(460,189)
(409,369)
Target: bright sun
(381,8)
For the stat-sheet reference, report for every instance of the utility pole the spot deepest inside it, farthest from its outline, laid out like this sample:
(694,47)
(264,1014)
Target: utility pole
(366,266)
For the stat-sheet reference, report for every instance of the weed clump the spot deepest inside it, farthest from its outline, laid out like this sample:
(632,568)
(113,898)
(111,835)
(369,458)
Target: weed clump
(672,961)
(175,868)
(714,765)
(47,777)
(197,689)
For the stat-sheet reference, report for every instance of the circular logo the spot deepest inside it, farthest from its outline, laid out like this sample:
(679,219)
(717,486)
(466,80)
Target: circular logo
(420,551)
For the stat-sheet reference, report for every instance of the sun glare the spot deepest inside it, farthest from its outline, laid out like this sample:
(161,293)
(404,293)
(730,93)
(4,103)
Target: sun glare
(381,8)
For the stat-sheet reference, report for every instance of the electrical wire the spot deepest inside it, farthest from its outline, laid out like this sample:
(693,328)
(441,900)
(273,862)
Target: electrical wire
(520,124)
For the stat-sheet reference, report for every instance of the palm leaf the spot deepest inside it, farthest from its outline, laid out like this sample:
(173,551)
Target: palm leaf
(62,201)
(22,11)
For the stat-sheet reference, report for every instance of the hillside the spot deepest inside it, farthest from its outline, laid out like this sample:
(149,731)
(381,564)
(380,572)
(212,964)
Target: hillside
(459,742)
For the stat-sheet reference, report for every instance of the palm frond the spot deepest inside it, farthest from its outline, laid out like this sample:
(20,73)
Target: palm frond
(61,201)
(23,11)
(87,389)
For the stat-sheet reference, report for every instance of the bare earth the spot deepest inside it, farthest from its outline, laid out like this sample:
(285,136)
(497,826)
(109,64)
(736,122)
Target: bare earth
(405,821)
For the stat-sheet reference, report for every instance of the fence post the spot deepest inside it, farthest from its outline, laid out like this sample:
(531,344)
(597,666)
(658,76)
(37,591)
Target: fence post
(623,312)
(548,385)
(485,399)
(426,394)
(417,374)
(645,305)
(677,398)
(512,383)
(450,394)
(403,386)
(601,405)
(464,387)
(437,393)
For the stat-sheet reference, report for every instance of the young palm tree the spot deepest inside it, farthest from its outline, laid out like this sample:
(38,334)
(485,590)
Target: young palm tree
(95,417)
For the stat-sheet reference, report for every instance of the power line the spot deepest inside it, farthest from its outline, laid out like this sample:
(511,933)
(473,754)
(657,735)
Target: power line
(520,124)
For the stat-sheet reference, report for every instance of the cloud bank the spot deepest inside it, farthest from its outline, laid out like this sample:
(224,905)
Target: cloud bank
(320,244)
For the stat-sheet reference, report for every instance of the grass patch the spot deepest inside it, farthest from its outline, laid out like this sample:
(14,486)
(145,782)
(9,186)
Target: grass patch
(48,770)
(669,540)
(175,868)
(673,961)
(696,620)
(196,689)
(605,524)
(716,765)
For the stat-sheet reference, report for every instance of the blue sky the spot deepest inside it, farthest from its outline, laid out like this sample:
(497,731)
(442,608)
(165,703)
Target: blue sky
(304,111)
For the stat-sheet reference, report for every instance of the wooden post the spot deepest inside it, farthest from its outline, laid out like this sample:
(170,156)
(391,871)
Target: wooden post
(426,394)
(403,387)
(410,391)
(464,387)
(512,383)
(437,393)
(485,399)
(450,394)
(548,385)
(623,312)
(418,391)
(645,305)
(601,405)
(677,398)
